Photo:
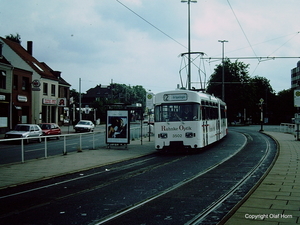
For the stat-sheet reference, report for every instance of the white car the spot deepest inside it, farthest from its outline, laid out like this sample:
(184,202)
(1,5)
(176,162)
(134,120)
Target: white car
(25,131)
(84,125)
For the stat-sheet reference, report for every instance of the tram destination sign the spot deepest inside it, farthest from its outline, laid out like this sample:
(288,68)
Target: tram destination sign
(175,97)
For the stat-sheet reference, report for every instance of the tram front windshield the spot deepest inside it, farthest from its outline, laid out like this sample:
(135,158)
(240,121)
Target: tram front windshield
(177,112)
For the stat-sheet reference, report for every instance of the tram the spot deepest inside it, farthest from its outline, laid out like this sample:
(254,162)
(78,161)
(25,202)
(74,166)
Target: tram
(187,119)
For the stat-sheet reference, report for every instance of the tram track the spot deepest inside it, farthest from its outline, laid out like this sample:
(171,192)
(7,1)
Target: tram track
(204,217)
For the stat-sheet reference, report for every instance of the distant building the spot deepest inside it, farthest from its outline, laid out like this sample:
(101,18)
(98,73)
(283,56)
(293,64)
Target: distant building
(100,93)
(295,76)
(97,93)
(36,92)
(6,73)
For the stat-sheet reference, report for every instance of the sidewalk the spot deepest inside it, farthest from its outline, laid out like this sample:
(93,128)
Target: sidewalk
(277,199)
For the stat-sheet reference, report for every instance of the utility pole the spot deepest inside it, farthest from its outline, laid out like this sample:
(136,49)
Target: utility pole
(189,42)
(223,86)
(80,116)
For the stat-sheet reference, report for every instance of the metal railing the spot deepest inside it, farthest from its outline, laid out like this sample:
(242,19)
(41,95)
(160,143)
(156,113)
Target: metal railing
(135,132)
(95,140)
(287,128)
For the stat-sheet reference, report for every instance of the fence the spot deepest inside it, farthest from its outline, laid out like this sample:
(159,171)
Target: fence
(95,140)
(287,128)
(135,132)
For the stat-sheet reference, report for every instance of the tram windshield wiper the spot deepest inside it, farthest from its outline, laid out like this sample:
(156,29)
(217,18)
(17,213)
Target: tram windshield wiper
(179,118)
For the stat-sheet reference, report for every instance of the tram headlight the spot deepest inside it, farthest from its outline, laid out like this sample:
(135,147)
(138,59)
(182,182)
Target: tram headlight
(163,135)
(189,134)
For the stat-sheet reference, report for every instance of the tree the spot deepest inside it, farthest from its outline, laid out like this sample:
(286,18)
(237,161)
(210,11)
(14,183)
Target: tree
(129,95)
(242,93)
(284,106)
(75,95)
(261,89)
(15,38)
(236,82)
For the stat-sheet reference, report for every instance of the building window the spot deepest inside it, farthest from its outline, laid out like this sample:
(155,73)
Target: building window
(15,82)
(52,89)
(25,83)
(2,79)
(45,89)
(66,93)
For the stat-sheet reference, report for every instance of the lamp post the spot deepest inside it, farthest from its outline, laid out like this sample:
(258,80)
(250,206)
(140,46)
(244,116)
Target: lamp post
(80,116)
(223,86)
(189,42)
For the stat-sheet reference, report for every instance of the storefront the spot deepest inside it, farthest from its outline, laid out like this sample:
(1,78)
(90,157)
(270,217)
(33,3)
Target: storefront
(49,110)
(4,112)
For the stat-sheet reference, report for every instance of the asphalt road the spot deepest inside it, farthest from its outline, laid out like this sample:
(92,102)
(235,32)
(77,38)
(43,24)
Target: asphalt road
(155,189)
(11,152)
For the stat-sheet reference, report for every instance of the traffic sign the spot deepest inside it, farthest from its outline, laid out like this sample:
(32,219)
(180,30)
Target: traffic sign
(149,100)
(297,98)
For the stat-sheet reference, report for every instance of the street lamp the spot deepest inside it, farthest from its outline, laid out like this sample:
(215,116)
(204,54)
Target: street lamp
(223,86)
(189,42)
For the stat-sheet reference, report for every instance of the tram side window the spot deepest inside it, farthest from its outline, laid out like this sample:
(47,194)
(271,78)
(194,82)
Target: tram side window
(209,111)
(204,114)
(223,112)
(196,112)
(205,110)
(214,110)
(157,113)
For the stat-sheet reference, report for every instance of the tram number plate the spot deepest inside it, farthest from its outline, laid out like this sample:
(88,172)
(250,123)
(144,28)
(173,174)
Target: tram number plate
(177,135)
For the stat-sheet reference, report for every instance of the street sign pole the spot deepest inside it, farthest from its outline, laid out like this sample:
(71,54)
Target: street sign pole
(261,114)
(297,115)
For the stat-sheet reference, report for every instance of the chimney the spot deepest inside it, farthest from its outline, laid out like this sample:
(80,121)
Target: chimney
(29,47)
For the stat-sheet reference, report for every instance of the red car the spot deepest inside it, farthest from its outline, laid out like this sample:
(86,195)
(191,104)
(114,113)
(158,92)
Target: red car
(50,129)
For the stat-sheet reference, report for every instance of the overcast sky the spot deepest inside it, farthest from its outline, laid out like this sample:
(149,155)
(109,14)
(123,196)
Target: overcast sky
(138,42)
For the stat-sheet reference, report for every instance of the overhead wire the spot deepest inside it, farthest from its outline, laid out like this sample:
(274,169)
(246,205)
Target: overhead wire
(260,59)
(242,28)
(151,24)
(182,68)
(285,43)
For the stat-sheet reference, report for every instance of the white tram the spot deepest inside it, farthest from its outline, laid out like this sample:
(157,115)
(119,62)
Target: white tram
(188,119)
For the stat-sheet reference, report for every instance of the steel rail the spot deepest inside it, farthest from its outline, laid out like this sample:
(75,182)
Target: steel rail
(76,178)
(200,217)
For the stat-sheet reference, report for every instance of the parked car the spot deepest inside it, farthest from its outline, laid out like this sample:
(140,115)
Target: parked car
(50,129)
(25,131)
(84,125)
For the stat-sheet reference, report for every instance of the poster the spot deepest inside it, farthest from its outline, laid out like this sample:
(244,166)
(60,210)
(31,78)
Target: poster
(117,127)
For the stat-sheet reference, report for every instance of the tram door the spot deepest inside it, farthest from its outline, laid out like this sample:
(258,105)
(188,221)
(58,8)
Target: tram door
(205,132)
(205,124)
(218,129)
